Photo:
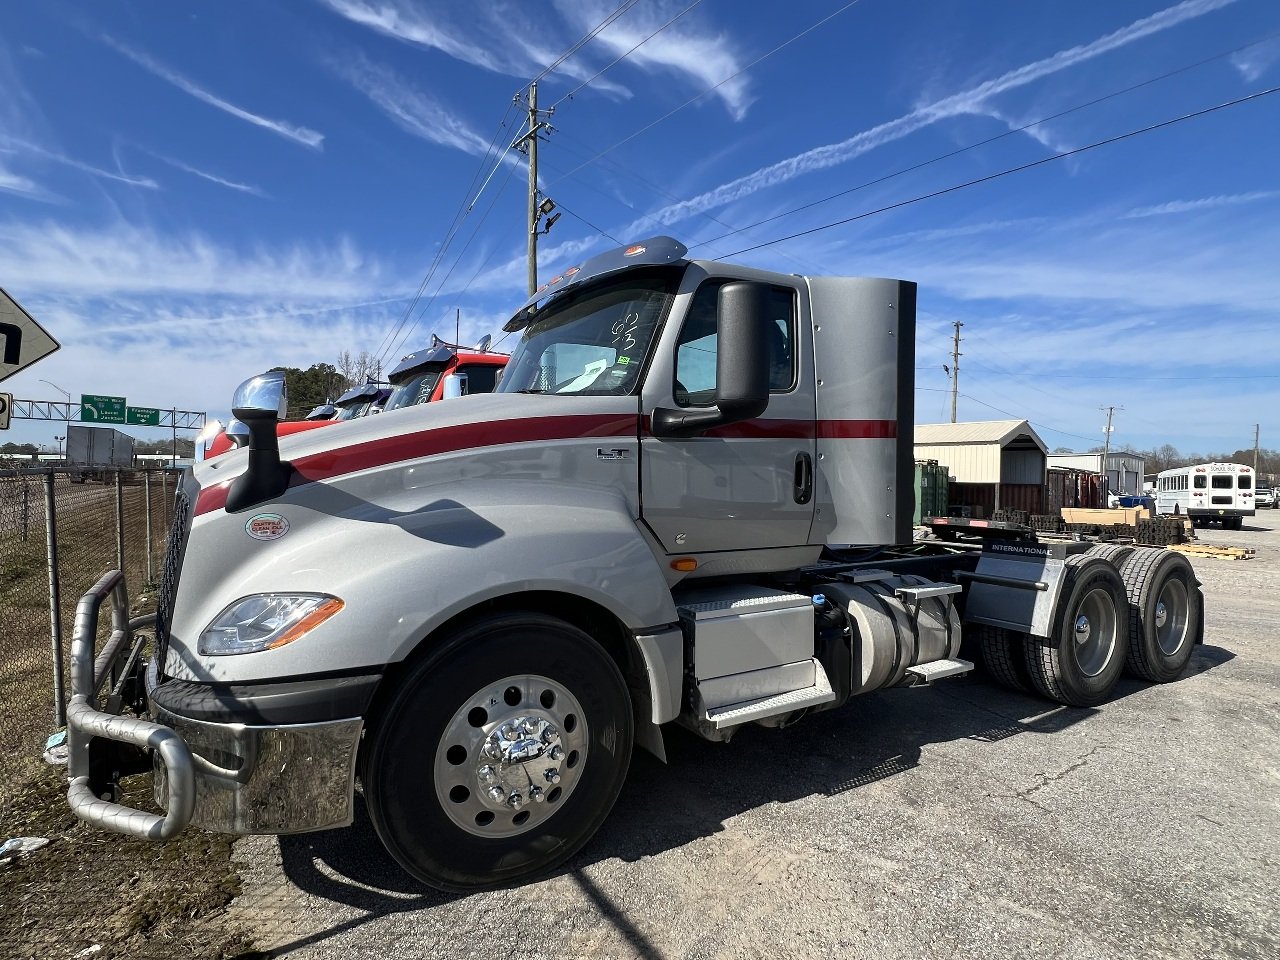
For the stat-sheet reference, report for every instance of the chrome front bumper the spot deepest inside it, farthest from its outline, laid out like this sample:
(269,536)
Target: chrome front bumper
(224,777)
(282,779)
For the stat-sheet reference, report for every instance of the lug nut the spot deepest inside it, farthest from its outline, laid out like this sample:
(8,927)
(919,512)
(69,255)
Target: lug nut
(510,732)
(491,750)
(552,775)
(496,794)
(515,801)
(556,753)
(536,794)
(529,727)
(549,733)
(487,774)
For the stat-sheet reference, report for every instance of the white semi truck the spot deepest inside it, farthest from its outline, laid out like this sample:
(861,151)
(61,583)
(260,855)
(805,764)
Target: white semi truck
(689,501)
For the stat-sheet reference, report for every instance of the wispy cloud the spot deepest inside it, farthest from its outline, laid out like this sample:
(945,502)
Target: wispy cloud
(410,25)
(118,176)
(972,100)
(684,48)
(294,132)
(1256,61)
(129,260)
(16,183)
(502,38)
(1204,203)
(205,175)
(413,110)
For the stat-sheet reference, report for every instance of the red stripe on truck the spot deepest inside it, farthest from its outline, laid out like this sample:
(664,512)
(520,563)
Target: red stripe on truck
(426,443)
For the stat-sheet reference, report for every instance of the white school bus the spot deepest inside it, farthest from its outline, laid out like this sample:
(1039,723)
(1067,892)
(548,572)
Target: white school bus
(1207,491)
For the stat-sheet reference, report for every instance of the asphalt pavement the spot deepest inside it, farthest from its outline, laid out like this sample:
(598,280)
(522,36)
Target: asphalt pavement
(960,820)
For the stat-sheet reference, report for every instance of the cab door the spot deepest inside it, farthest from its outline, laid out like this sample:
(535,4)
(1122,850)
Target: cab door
(740,486)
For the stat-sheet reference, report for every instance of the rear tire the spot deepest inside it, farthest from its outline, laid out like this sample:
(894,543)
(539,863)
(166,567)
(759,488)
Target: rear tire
(502,705)
(1079,664)
(1166,614)
(1004,657)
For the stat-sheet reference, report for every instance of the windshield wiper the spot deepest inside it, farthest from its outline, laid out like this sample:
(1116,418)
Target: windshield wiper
(530,390)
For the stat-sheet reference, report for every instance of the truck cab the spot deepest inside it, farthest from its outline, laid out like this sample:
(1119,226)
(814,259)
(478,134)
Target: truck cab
(680,505)
(440,370)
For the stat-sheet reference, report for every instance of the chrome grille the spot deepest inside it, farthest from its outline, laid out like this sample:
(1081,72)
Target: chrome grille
(175,547)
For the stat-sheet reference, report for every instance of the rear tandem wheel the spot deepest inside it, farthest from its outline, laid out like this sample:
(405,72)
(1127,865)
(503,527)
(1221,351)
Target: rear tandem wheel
(1081,660)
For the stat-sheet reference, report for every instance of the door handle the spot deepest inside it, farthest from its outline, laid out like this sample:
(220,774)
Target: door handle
(803,481)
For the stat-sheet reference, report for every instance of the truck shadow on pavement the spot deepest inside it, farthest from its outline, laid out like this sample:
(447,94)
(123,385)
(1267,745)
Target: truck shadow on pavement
(664,807)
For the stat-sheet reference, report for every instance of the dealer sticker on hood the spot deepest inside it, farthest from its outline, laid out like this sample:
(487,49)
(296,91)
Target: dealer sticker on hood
(267,526)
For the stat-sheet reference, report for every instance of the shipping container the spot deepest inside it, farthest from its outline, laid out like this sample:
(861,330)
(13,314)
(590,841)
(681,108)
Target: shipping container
(1073,487)
(932,484)
(980,498)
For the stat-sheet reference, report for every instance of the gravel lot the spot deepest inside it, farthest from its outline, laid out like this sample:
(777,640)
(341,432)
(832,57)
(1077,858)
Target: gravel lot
(956,821)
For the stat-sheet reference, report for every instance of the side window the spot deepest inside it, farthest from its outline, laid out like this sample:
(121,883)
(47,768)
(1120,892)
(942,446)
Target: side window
(481,377)
(696,349)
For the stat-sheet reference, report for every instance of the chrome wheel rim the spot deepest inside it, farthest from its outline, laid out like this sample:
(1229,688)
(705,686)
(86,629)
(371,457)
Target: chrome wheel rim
(510,756)
(1173,616)
(1094,632)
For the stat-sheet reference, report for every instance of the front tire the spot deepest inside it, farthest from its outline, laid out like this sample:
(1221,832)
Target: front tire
(1081,661)
(500,755)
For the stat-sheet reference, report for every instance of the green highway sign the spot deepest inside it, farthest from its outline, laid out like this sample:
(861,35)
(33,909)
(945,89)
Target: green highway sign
(96,409)
(143,416)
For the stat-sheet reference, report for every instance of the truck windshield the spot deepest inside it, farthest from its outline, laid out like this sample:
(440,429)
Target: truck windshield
(417,389)
(591,342)
(352,411)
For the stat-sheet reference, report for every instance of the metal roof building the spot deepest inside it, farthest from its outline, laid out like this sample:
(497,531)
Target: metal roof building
(986,451)
(995,464)
(1124,470)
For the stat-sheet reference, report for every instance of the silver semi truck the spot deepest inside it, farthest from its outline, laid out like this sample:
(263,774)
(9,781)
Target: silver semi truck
(689,501)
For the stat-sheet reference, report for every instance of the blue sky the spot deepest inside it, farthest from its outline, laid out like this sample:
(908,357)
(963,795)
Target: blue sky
(193,192)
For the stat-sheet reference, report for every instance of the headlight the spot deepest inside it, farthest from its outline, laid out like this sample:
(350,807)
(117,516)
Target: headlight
(265,621)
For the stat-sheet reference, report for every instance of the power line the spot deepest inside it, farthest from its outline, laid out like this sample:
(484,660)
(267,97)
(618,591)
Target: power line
(474,233)
(1010,170)
(715,87)
(599,73)
(989,406)
(583,41)
(990,140)
(459,217)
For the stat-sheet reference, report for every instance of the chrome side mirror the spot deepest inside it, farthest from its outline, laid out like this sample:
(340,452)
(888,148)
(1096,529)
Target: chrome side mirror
(455,385)
(260,403)
(261,397)
(238,433)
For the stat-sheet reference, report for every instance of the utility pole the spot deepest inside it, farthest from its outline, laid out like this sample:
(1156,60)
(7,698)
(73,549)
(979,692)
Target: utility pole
(1106,436)
(1255,449)
(529,144)
(955,368)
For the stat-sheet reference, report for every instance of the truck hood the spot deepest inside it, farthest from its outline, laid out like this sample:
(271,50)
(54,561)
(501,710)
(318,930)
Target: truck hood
(419,431)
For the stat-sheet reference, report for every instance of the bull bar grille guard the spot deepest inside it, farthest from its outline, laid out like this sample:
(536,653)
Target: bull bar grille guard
(87,720)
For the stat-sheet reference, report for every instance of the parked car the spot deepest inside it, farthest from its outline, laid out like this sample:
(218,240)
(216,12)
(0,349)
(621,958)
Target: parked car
(1264,497)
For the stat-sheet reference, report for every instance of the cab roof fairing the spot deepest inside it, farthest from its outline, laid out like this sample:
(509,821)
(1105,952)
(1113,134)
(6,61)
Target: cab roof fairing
(370,391)
(655,251)
(419,359)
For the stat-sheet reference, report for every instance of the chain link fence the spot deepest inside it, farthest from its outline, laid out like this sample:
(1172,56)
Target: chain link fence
(85,890)
(59,532)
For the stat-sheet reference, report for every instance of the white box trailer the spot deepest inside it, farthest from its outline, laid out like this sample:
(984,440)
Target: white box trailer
(98,447)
